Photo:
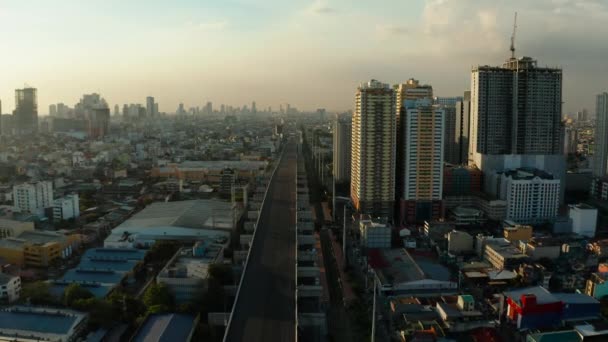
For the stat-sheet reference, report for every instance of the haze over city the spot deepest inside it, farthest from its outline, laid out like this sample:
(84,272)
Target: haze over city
(307,53)
(306,170)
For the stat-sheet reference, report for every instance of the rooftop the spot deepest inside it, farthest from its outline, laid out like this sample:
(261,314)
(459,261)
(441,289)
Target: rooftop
(527,173)
(198,214)
(543,296)
(166,328)
(37,322)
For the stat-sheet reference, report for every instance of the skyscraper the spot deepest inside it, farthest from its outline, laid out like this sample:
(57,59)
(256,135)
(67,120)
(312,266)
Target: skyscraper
(410,90)
(600,155)
(342,148)
(26,111)
(150,106)
(463,117)
(98,122)
(515,109)
(516,119)
(450,150)
(373,150)
(53,110)
(423,146)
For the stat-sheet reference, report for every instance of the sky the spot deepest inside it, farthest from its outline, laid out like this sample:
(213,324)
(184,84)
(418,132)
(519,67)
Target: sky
(309,53)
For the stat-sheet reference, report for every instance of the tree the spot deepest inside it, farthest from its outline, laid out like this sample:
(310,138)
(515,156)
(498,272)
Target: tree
(37,293)
(158,295)
(101,313)
(222,273)
(73,293)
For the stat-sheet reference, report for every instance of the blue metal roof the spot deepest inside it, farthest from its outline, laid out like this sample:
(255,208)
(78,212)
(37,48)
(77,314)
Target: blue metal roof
(36,321)
(166,328)
(92,276)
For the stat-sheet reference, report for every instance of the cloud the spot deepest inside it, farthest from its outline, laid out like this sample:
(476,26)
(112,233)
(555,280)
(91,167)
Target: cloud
(320,7)
(386,31)
(215,25)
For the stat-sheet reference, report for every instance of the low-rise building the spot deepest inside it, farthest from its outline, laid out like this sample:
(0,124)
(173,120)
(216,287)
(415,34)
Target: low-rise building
(166,327)
(374,234)
(66,208)
(459,314)
(397,272)
(597,285)
(536,307)
(37,248)
(541,248)
(459,242)
(182,220)
(516,232)
(10,288)
(27,324)
(187,273)
(10,227)
(501,254)
(463,216)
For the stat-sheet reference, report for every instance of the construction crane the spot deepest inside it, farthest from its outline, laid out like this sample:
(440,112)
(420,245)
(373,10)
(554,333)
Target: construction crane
(513,36)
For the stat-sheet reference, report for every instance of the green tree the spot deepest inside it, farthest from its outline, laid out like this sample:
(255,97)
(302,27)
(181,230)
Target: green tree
(158,295)
(73,293)
(101,313)
(37,293)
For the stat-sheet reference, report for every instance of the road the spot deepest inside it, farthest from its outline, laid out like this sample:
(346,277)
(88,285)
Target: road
(265,309)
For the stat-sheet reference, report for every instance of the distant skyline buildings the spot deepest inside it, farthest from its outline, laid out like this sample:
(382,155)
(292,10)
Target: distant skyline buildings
(26,111)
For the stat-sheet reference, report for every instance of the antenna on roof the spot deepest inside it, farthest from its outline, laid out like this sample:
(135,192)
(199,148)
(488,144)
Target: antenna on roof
(513,36)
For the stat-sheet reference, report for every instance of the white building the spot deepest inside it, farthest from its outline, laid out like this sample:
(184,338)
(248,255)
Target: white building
(532,195)
(374,234)
(187,273)
(10,288)
(600,155)
(584,219)
(33,197)
(424,151)
(66,208)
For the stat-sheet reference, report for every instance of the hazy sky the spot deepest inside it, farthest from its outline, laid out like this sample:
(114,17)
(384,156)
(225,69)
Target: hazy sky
(310,53)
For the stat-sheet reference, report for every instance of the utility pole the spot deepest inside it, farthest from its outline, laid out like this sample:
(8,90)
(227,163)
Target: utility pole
(343,235)
(374,314)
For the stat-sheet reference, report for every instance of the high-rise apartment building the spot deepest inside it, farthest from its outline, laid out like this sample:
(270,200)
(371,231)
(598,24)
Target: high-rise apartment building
(410,90)
(33,197)
(450,148)
(515,109)
(98,122)
(373,150)
(26,111)
(342,148)
(150,107)
(53,110)
(424,134)
(600,155)
(462,127)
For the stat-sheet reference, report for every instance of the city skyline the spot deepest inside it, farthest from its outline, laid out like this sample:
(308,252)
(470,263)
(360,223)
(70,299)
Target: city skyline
(199,51)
